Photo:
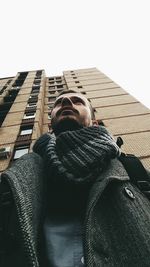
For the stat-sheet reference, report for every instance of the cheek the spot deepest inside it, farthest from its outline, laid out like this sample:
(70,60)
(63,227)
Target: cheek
(86,116)
(53,113)
(88,113)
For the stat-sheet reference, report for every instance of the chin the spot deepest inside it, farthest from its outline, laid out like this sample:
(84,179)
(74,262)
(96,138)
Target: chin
(66,124)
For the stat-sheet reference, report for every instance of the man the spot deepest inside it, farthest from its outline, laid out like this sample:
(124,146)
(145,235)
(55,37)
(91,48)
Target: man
(73,202)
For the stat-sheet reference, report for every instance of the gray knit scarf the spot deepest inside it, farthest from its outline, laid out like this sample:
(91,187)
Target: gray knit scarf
(77,156)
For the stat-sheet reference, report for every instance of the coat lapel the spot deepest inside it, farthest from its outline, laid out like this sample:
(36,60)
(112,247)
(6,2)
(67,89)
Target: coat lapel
(114,172)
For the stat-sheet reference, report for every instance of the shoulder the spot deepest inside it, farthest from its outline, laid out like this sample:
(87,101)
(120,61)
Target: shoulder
(28,160)
(29,165)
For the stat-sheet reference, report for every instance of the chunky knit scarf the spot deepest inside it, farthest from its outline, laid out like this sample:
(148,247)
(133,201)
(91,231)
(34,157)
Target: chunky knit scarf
(77,156)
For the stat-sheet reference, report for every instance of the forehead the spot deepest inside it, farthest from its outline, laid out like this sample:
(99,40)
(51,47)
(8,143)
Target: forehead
(71,95)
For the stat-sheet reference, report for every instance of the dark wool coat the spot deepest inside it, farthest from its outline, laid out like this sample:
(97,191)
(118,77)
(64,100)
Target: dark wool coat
(117,223)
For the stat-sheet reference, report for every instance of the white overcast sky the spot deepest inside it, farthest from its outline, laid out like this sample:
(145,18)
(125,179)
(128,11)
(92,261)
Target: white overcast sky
(57,35)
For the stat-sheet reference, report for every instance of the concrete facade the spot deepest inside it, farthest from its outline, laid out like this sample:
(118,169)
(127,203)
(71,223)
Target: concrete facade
(26,101)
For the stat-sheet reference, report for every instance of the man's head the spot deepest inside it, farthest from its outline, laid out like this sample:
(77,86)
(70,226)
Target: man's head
(71,111)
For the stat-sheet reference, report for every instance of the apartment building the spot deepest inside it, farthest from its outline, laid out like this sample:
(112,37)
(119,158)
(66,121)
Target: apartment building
(25,110)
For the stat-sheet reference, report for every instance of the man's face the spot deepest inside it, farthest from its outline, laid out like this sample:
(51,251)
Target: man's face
(70,112)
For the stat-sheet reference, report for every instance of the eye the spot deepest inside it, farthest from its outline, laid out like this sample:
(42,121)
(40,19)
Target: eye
(78,101)
(57,103)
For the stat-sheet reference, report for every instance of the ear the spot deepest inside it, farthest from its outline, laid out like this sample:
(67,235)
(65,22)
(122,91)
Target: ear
(95,123)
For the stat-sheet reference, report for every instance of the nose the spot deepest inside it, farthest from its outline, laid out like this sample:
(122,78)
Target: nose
(66,101)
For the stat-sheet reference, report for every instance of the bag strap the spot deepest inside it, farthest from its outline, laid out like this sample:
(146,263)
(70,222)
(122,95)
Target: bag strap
(136,172)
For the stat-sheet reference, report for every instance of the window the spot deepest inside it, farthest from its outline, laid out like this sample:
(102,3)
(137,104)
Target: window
(23,74)
(39,73)
(50,106)
(29,115)
(52,92)
(59,81)
(35,87)
(37,82)
(59,90)
(74,77)
(31,105)
(49,116)
(35,96)
(51,87)
(20,151)
(59,86)
(5,152)
(26,131)
(76,81)
(51,99)
(19,81)
(3,89)
(34,92)
(37,79)
(33,99)
(79,87)
(16,87)
(9,81)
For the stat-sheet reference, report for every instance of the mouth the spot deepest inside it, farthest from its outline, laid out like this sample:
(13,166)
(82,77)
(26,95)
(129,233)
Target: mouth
(67,112)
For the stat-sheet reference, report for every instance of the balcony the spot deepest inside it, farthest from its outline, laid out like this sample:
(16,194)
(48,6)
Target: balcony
(35,91)
(32,109)
(23,139)
(28,121)
(33,99)
(5,152)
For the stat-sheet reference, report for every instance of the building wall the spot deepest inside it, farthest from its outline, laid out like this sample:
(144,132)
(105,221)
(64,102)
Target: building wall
(28,90)
(121,113)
